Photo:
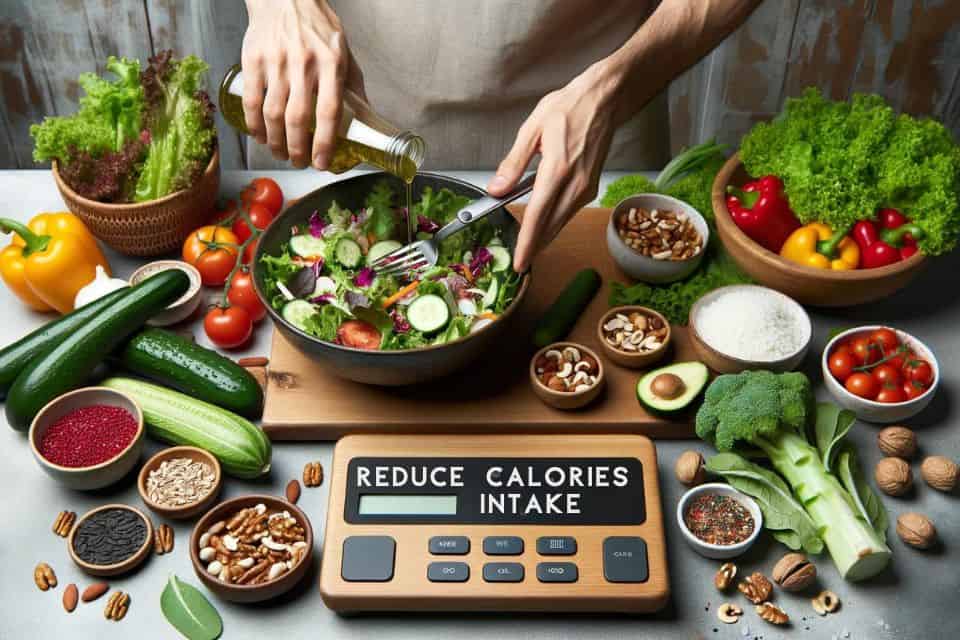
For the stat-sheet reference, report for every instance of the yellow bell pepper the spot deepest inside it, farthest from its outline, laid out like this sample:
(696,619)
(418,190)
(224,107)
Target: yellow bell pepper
(816,245)
(49,260)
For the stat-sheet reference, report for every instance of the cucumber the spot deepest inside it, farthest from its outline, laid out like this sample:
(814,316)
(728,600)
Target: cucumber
(68,365)
(501,258)
(181,364)
(559,319)
(490,295)
(306,246)
(14,357)
(347,252)
(428,313)
(381,249)
(240,446)
(296,313)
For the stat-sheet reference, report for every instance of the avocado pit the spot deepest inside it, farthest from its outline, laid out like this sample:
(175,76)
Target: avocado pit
(668,386)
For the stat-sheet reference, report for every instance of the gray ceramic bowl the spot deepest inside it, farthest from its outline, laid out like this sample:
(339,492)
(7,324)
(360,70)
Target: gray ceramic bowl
(393,368)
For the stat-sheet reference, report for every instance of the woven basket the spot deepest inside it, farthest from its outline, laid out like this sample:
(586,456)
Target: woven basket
(147,228)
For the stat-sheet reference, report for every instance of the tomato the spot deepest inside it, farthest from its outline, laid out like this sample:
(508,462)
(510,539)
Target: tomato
(260,216)
(891,393)
(213,251)
(242,294)
(865,351)
(263,191)
(359,334)
(886,338)
(228,327)
(899,358)
(918,370)
(223,211)
(862,384)
(886,374)
(841,363)
(250,252)
(913,389)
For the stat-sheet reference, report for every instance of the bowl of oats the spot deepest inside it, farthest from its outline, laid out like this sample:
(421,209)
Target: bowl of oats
(180,482)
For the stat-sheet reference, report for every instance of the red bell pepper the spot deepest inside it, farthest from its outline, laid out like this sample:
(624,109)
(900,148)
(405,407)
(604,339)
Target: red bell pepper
(887,240)
(762,212)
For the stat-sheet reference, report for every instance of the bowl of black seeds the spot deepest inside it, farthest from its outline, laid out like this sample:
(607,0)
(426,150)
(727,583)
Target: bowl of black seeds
(111,540)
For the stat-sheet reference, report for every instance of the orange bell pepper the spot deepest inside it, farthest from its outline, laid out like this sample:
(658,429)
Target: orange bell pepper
(49,260)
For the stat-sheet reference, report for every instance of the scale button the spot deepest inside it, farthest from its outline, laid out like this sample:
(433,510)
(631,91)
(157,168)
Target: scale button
(557,572)
(449,545)
(448,572)
(556,546)
(368,559)
(503,545)
(503,572)
(625,559)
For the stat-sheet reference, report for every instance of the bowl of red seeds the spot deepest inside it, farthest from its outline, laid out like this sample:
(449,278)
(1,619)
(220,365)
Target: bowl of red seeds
(88,438)
(718,521)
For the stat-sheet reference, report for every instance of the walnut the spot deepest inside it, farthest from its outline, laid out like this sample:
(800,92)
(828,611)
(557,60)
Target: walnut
(772,613)
(756,588)
(940,472)
(916,530)
(893,476)
(689,469)
(898,442)
(825,602)
(794,572)
(725,576)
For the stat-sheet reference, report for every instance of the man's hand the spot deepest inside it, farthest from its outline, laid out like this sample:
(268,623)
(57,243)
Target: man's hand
(296,63)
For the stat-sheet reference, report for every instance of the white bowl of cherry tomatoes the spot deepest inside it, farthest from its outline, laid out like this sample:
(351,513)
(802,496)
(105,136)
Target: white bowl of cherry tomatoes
(879,373)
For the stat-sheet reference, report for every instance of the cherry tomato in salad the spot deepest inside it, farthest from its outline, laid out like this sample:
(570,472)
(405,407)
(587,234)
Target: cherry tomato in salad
(887,374)
(865,351)
(918,370)
(213,251)
(886,338)
(264,191)
(243,294)
(890,393)
(862,384)
(359,335)
(841,363)
(260,216)
(913,389)
(228,327)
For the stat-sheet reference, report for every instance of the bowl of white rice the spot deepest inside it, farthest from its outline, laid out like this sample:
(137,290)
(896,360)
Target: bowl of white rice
(746,326)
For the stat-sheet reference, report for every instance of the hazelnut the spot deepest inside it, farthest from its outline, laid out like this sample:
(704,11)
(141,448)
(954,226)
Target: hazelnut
(940,472)
(794,572)
(893,476)
(689,469)
(916,530)
(897,442)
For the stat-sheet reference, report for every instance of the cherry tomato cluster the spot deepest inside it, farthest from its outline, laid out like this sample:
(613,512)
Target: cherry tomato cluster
(877,366)
(214,250)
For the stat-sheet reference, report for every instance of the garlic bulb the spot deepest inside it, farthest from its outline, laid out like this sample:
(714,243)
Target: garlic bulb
(101,285)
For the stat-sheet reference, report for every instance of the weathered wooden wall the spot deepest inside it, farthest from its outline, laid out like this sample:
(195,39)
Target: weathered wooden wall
(906,50)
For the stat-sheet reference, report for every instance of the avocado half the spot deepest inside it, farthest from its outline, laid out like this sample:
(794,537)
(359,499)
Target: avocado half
(680,386)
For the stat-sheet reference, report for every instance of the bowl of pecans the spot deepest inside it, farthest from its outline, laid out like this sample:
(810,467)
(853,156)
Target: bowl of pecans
(634,336)
(252,548)
(180,482)
(566,375)
(655,238)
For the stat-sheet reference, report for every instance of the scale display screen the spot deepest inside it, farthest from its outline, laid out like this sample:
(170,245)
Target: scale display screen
(407,505)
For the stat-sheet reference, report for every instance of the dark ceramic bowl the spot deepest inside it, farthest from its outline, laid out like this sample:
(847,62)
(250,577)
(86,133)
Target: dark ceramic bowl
(391,368)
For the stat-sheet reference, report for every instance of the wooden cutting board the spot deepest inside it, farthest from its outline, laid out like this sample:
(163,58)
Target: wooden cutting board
(306,402)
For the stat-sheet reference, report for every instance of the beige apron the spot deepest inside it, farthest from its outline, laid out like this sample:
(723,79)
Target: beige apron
(465,74)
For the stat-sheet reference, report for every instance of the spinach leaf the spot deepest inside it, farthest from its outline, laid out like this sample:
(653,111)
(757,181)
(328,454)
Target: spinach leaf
(782,513)
(865,499)
(189,611)
(831,426)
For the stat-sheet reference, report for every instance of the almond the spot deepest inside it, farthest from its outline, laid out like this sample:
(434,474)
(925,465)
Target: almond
(70,596)
(293,491)
(94,591)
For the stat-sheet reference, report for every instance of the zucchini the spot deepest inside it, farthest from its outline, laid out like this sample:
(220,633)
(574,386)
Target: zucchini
(241,446)
(306,246)
(428,313)
(172,361)
(347,252)
(67,365)
(558,320)
(14,357)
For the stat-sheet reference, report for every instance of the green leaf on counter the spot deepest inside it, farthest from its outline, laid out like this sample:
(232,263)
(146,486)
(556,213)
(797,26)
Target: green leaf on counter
(865,499)
(189,611)
(831,426)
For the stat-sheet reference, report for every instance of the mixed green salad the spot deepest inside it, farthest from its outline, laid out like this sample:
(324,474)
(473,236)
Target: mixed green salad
(322,282)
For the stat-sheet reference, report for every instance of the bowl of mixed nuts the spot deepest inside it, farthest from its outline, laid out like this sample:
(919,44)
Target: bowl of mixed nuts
(634,336)
(566,375)
(656,238)
(252,548)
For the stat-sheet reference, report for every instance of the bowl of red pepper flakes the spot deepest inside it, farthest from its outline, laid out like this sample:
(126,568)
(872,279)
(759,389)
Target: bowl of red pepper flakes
(88,438)
(882,270)
(718,521)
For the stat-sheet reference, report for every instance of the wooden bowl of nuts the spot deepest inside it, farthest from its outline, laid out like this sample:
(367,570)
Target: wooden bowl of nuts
(634,336)
(566,375)
(180,482)
(252,548)
(656,238)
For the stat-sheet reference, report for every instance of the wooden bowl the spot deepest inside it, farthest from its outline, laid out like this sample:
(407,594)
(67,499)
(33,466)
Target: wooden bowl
(99,475)
(633,360)
(820,287)
(723,363)
(188,510)
(246,592)
(181,308)
(127,565)
(563,399)
(147,228)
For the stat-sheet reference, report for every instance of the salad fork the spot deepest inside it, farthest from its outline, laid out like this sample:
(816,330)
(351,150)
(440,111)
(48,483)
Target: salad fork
(424,253)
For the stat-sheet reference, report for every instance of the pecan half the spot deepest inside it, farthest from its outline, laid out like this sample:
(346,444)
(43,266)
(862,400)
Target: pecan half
(772,613)
(44,577)
(117,605)
(64,523)
(756,588)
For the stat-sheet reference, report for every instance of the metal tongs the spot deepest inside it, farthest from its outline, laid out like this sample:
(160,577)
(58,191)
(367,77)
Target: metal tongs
(422,254)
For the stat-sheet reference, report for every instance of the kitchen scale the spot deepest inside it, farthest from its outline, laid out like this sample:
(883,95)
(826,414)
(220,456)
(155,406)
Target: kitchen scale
(494,523)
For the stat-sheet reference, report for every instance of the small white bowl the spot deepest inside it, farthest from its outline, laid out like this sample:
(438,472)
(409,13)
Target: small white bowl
(180,309)
(871,410)
(719,551)
(646,269)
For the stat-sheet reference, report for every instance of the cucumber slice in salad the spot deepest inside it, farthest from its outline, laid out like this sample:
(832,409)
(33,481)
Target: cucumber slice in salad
(501,258)
(297,312)
(348,253)
(428,313)
(381,249)
(306,246)
(490,297)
